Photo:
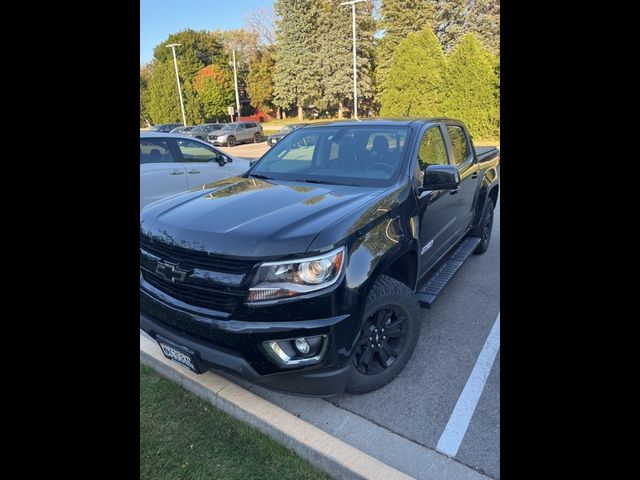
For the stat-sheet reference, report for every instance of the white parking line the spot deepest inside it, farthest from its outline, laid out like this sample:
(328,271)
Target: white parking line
(458,423)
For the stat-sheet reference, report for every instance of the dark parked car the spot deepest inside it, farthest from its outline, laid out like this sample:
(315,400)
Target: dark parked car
(182,130)
(164,127)
(307,273)
(287,129)
(202,131)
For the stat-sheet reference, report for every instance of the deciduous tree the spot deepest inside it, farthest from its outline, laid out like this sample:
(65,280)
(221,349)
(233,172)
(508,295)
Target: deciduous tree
(214,86)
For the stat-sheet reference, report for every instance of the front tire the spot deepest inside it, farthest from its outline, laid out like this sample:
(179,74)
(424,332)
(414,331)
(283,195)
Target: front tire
(231,141)
(388,335)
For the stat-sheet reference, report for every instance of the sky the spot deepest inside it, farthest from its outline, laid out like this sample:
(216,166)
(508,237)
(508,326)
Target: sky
(159,18)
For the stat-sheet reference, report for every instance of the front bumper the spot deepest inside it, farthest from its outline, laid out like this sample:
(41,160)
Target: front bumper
(233,346)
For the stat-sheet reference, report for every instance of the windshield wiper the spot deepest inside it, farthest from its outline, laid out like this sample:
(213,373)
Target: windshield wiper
(326,182)
(262,177)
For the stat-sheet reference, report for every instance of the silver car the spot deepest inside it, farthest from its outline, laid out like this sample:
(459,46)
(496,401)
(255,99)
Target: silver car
(173,163)
(201,131)
(238,132)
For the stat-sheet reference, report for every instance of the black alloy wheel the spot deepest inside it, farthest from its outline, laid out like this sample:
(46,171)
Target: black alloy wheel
(382,339)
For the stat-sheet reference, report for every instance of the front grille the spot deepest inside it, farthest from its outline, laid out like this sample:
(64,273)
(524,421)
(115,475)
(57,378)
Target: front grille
(197,259)
(206,291)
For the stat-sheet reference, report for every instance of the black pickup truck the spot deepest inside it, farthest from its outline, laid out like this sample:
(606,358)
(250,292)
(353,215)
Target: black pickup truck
(307,273)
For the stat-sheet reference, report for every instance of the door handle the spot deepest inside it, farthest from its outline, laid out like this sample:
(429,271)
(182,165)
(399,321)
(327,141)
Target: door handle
(177,172)
(475,175)
(193,171)
(454,191)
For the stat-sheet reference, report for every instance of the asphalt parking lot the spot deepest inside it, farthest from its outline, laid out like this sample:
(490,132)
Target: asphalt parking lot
(447,399)
(247,150)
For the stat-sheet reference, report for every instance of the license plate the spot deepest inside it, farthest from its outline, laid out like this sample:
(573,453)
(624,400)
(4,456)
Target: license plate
(179,356)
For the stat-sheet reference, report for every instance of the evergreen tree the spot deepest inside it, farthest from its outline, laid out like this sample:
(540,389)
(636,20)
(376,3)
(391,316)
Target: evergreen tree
(145,74)
(163,102)
(399,18)
(456,17)
(415,81)
(471,87)
(335,54)
(193,107)
(296,81)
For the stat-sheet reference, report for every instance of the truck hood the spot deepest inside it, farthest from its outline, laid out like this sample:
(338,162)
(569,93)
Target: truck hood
(249,217)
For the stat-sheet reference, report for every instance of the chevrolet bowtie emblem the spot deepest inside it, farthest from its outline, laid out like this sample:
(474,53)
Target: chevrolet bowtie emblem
(170,271)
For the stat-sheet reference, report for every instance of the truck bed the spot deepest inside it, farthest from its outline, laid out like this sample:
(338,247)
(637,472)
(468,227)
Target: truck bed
(485,154)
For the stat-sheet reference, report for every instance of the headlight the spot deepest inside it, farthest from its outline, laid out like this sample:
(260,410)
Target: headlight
(296,277)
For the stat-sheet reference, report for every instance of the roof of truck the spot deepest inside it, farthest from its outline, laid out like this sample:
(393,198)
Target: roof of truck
(383,122)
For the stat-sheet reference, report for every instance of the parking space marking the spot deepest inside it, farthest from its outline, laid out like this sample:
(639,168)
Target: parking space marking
(460,418)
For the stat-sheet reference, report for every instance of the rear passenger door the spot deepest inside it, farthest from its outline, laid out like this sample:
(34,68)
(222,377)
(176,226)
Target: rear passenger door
(464,160)
(161,174)
(244,133)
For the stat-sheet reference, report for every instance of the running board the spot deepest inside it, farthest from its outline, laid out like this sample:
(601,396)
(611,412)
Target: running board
(428,294)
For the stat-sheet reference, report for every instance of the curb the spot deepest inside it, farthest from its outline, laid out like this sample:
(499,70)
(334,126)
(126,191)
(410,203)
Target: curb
(329,454)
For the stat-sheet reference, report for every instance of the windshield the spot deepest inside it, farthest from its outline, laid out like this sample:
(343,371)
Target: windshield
(348,155)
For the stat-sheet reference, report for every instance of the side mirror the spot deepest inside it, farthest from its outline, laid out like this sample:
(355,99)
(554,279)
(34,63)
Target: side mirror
(441,177)
(223,159)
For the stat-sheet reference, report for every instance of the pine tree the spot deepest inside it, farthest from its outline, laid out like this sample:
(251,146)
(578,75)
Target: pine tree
(399,18)
(415,81)
(296,81)
(335,54)
(472,85)
(454,18)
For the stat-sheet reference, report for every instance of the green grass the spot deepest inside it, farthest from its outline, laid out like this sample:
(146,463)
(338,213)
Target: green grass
(184,437)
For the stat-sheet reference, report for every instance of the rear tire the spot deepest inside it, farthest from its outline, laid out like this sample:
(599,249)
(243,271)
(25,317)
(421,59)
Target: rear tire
(257,138)
(231,141)
(485,227)
(391,305)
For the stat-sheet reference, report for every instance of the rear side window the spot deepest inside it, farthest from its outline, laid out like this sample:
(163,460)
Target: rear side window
(460,144)
(155,150)
(432,149)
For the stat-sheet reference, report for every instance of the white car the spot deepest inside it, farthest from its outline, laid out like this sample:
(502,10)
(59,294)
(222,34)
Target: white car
(174,163)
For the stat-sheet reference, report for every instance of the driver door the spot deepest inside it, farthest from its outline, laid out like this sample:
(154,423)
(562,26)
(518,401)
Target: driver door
(203,164)
(437,209)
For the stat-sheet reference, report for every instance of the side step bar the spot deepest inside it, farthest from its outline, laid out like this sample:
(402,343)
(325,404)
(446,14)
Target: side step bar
(428,294)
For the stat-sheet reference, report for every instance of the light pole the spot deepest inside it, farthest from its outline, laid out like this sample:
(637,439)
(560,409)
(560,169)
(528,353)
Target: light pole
(235,81)
(355,72)
(175,63)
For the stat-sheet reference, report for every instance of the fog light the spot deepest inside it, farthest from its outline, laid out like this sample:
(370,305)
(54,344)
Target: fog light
(296,351)
(302,346)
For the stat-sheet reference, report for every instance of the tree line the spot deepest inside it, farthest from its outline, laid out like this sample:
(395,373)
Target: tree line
(414,58)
